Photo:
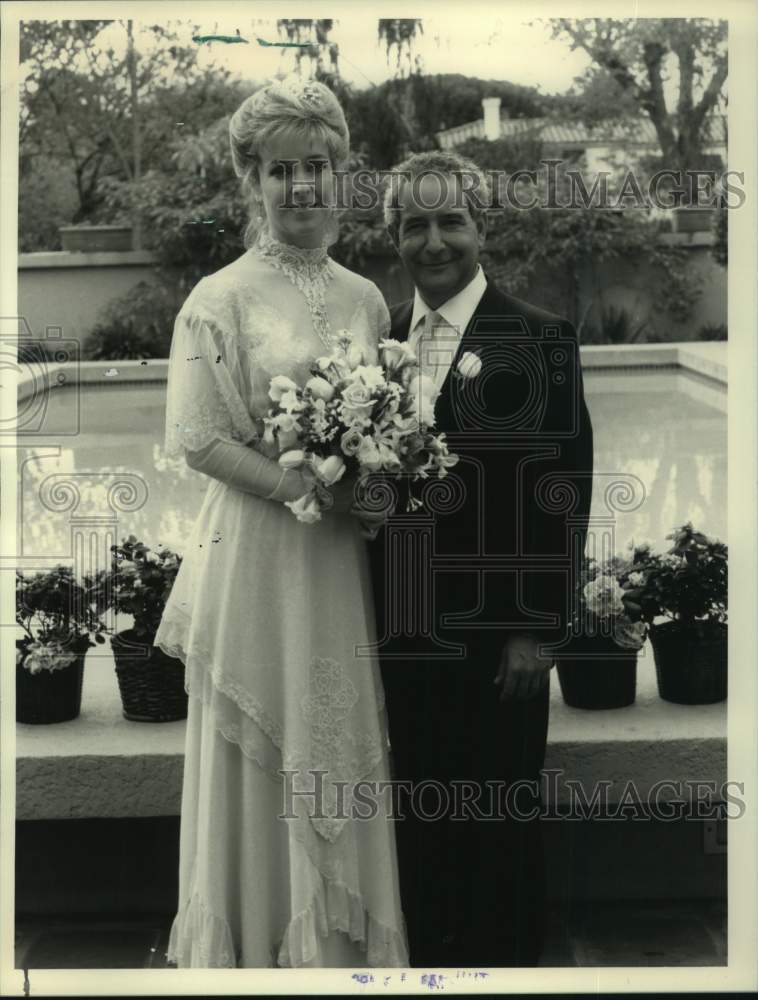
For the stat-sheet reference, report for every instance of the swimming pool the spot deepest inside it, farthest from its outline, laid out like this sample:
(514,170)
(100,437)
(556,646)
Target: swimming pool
(661,430)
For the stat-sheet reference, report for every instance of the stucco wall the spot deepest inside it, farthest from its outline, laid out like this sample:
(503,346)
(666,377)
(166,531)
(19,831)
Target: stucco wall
(68,290)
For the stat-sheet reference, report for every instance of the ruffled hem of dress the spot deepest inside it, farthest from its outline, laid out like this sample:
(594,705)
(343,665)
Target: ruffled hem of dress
(335,908)
(201,939)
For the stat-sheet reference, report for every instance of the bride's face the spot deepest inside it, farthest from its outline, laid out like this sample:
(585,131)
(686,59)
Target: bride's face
(296,184)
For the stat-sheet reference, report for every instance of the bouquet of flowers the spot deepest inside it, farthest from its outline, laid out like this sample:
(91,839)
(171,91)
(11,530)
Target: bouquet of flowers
(354,418)
(608,592)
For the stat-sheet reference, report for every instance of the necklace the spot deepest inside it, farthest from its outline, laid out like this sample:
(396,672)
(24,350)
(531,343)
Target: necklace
(309,270)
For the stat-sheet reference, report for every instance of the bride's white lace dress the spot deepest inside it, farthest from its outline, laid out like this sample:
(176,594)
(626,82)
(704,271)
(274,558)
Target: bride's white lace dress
(266,614)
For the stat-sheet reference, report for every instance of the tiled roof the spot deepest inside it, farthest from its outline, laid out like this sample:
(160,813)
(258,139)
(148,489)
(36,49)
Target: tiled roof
(636,131)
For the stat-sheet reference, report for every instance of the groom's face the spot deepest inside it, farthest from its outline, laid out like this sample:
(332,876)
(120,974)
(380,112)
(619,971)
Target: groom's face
(437,237)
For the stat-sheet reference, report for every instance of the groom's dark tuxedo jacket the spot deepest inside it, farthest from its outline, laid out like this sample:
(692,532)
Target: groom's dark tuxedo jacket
(501,536)
(510,531)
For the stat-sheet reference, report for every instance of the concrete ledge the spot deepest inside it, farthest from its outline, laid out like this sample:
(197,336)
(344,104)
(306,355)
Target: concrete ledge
(103,765)
(708,359)
(98,258)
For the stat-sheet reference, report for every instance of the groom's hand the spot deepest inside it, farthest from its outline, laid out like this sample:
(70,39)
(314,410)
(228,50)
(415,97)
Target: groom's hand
(522,672)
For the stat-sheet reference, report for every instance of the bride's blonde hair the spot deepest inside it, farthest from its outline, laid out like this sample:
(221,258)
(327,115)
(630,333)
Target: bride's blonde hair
(285,107)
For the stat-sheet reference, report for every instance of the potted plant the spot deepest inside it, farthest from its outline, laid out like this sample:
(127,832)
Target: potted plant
(56,616)
(598,668)
(683,597)
(138,584)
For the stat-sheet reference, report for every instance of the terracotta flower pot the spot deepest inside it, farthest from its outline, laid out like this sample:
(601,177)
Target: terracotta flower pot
(50,695)
(151,683)
(596,673)
(691,662)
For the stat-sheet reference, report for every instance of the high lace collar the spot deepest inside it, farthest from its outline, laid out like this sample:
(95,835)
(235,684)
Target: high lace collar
(294,261)
(309,270)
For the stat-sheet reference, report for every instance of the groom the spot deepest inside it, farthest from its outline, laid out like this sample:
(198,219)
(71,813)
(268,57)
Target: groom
(466,664)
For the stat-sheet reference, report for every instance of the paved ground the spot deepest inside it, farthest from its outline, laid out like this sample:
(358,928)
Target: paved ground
(680,933)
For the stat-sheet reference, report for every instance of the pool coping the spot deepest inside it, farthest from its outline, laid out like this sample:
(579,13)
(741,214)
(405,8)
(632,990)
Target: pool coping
(705,358)
(100,764)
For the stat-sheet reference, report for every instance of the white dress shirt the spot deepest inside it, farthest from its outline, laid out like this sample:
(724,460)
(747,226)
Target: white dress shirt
(435,333)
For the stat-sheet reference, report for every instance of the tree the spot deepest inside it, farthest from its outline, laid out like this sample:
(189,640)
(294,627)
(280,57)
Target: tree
(569,246)
(80,99)
(637,55)
(313,35)
(399,34)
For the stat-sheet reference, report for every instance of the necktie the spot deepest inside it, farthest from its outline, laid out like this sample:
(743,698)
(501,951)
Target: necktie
(438,344)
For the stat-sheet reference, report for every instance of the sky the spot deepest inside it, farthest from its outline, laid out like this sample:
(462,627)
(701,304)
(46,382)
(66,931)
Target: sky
(477,43)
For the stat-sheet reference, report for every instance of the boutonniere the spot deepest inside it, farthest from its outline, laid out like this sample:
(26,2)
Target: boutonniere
(469,365)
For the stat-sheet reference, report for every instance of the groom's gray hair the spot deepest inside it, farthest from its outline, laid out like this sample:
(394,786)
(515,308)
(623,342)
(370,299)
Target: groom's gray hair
(475,185)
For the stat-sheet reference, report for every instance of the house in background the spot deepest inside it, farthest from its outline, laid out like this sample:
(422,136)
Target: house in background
(607,146)
(612,146)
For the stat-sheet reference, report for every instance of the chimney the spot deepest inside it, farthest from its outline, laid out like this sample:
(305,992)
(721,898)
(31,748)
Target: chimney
(491,107)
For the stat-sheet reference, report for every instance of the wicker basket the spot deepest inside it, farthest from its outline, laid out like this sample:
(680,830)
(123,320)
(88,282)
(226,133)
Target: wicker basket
(690,662)
(151,683)
(50,696)
(596,673)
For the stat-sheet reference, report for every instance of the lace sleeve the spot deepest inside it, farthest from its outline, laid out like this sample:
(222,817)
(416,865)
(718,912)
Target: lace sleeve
(205,395)
(371,317)
(379,312)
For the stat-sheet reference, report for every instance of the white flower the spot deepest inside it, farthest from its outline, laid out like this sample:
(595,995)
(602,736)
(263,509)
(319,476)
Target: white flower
(405,425)
(279,385)
(355,356)
(673,561)
(357,403)
(396,354)
(290,402)
(288,439)
(47,656)
(329,470)
(636,579)
(288,428)
(268,432)
(286,422)
(321,390)
(389,458)
(603,597)
(469,365)
(423,389)
(369,456)
(351,440)
(372,376)
(306,509)
(292,459)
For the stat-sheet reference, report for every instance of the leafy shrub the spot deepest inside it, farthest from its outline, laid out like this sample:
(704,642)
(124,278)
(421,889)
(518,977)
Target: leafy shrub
(135,326)
(712,331)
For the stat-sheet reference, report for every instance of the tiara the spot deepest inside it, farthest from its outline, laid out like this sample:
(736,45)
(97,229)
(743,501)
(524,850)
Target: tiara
(308,92)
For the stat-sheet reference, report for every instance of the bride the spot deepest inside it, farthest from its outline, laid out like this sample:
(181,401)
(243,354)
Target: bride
(267,613)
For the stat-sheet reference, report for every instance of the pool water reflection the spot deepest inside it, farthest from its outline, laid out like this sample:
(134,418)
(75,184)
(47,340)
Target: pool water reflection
(666,428)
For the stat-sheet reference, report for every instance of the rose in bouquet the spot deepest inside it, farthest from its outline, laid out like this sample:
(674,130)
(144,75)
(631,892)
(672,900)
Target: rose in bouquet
(354,419)
(607,600)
